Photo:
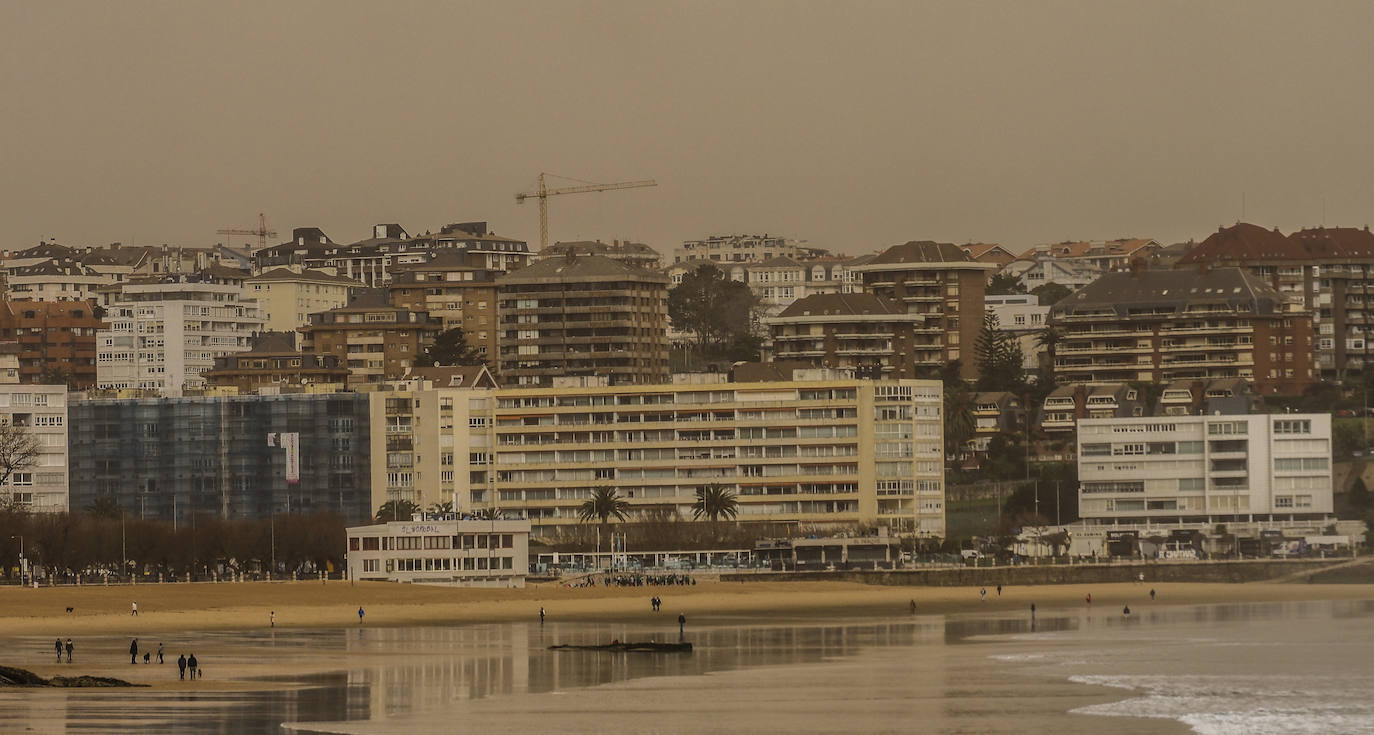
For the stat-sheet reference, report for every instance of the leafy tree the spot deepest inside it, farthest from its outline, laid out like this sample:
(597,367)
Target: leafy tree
(999,357)
(714,309)
(604,503)
(55,376)
(1359,495)
(1051,293)
(451,348)
(1005,283)
(104,506)
(395,510)
(715,502)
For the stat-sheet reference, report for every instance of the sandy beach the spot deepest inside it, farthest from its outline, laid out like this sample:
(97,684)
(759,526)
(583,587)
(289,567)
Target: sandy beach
(246,606)
(29,616)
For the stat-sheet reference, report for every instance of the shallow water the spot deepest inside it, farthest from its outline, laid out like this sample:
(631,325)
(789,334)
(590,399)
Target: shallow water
(1253,669)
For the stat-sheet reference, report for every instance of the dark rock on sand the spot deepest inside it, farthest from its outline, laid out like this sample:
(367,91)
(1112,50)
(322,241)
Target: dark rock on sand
(12,677)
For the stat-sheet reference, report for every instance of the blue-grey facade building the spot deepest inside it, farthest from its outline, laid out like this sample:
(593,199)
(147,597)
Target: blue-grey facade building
(166,458)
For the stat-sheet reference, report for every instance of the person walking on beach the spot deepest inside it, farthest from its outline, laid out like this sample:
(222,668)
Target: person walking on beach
(1126,610)
(191,664)
(913,606)
(159,653)
(1152,595)
(69,650)
(681,626)
(133,609)
(133,651)
(59,650)
(360,615)
(541,616)
(999,590)
(272,619)
(983,594)
(1089,598)
(181,666)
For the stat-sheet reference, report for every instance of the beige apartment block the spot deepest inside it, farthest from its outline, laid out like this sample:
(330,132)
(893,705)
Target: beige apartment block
(41,412)
(827,452)
(288,296)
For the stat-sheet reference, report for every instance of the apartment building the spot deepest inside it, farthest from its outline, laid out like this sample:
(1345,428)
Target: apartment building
(739,249)
(988,252)
(814,451)
(995,412)
(375,340)
(1163,326)
(274,362)
(9,362)
(58,279)
(1208,397)
(871,335)
(941,284)
(57,340)
(1213,469)
(1100,256)
(40,411)
(442,550)
(230,457)
(1330,270)
(1039,269)
(164,332)
(583,316)
(1066,405)
(1022,316)
(287,297)
(456,294)
(636,254)
(371,260)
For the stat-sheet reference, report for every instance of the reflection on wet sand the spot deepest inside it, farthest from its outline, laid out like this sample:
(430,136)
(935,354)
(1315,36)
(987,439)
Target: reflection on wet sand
(376,676)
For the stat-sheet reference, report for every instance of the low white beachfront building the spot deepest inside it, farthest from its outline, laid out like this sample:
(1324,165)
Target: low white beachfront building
(1212,469)
(465,553)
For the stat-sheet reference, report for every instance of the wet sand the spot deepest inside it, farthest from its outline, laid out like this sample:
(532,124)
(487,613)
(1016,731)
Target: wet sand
(203,617)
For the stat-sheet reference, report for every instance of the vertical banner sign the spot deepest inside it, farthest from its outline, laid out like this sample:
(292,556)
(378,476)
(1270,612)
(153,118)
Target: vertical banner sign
(291,443)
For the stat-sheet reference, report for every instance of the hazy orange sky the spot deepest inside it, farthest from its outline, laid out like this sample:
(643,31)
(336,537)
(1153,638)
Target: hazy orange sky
(849,125)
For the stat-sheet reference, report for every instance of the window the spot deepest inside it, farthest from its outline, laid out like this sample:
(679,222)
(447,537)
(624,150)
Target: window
(1293,426)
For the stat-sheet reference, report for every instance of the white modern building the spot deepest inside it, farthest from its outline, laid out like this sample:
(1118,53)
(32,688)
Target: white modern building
(39,411)
(1213,469)
(1021,315)
(465,553)
(165,332)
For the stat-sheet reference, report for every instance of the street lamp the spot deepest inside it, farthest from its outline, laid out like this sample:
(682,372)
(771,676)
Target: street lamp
(21,559)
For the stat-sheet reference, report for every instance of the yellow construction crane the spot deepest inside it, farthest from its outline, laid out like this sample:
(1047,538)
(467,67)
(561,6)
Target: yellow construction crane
(262,232)
(543,192)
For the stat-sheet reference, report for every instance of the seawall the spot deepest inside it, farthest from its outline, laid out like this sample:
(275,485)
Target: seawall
(1192,571)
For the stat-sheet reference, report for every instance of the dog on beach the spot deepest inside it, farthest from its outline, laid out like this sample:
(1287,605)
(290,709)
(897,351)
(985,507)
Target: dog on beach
(71,609)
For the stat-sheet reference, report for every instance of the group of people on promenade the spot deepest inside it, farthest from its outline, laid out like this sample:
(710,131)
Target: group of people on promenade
(651,580)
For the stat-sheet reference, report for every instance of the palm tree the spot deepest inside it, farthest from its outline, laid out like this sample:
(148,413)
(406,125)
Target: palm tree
(490,514)
(959,422)
(396,510)
(715,502)
(1049,339)
(603,504)
(444,508)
